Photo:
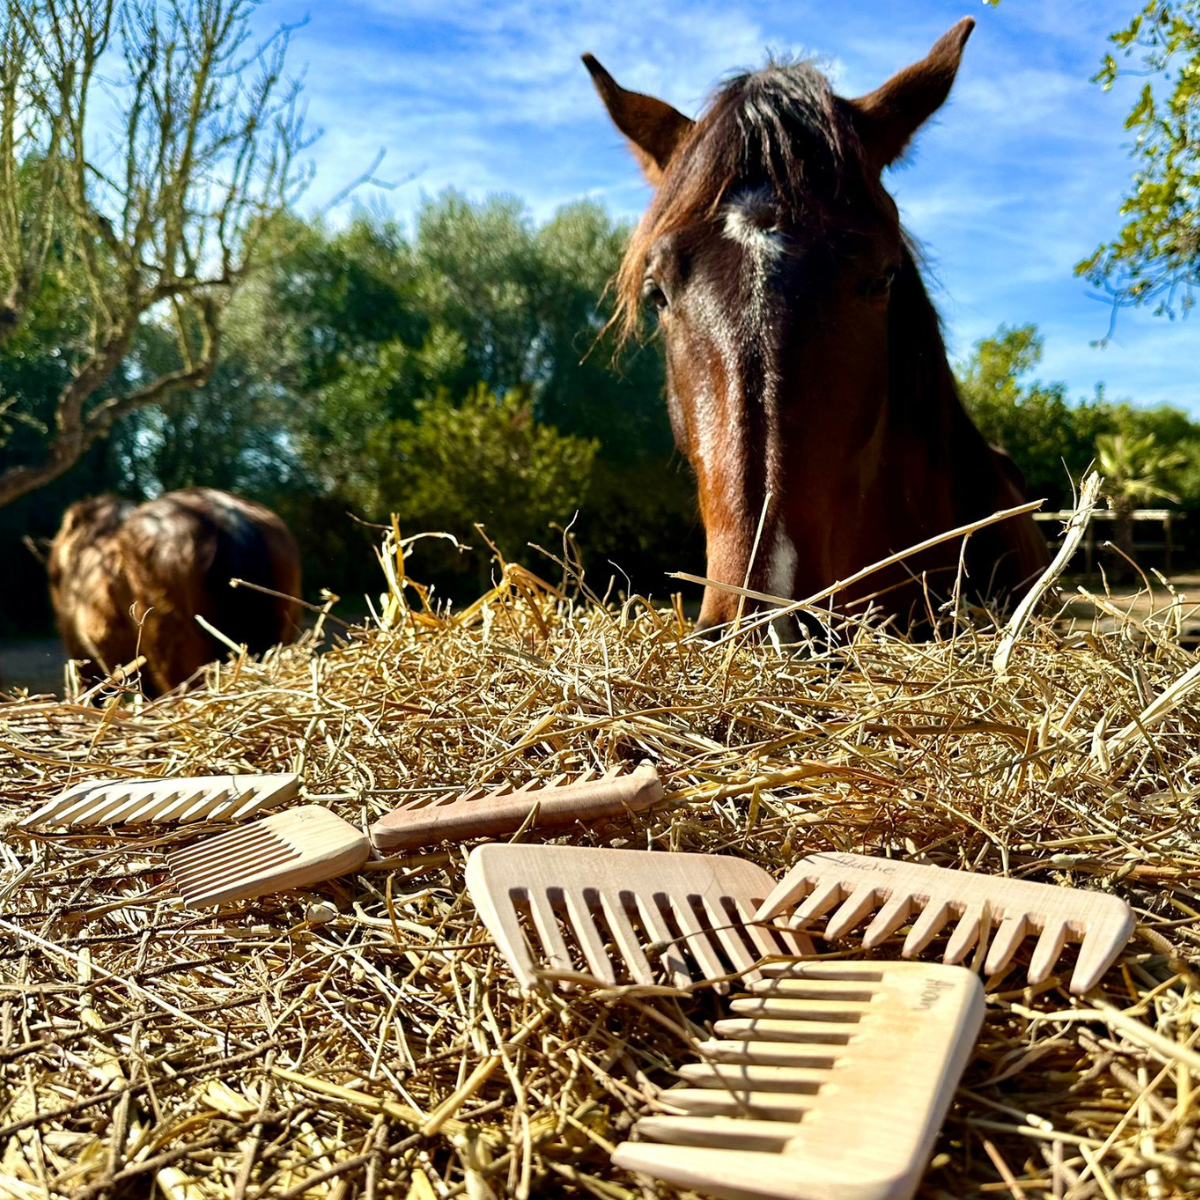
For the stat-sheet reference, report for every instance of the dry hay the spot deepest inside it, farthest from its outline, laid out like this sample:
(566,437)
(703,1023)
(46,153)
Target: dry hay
(263,1050)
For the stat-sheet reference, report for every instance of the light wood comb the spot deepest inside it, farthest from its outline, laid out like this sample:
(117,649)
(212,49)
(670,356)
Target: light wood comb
(859,885)
(193,798)
(830,1083)
(291,849)
(611,906)
(503,810)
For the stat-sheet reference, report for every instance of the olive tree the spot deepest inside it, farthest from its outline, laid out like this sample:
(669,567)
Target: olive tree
(144,147)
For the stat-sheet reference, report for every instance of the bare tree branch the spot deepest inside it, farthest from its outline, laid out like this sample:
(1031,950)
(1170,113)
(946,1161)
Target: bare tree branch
(158,220)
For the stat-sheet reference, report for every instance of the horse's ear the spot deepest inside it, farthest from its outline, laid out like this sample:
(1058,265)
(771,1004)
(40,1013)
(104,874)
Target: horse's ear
(888,117)
(652,126)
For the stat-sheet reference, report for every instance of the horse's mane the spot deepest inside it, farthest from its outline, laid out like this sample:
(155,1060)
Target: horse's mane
(100,515)
(781,126)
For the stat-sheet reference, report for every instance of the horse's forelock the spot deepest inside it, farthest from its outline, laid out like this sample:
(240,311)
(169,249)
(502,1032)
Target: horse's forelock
(791,129)
(781,126)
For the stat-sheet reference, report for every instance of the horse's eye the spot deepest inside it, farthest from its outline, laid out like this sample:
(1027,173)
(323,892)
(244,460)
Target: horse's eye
(880,285)
(652,292)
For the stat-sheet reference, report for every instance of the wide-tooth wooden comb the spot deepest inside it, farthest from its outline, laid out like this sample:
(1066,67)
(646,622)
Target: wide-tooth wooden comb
(291,849)
(503,810)
(1014,908)
(193,798)
(830,1083)
(612,906)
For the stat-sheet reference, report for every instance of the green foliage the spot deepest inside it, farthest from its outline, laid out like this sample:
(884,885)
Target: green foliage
(1050,439)
(1054,441)
(638,522)
(36,363)
(229,435)
(1155,258)
(1136,468)
(38,357)
(529,305)
(350,332)
(455,372)
(367,394)
(1172,430)
(325,301)
(483,460)
(358,324)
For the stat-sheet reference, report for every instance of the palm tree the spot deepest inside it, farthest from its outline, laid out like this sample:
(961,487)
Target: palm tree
(1135,471)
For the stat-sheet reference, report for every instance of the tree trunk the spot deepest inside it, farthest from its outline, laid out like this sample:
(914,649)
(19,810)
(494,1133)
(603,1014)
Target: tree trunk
(75,433)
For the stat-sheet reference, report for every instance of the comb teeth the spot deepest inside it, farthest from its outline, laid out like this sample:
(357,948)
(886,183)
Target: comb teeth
(503,810)
(768,1029)
(295,848)
(754,1077)
(191,869)
(572,909)
(748,1052)
(854,1119)
(202,797)
(789,1105)
(933,897)
(724,1133)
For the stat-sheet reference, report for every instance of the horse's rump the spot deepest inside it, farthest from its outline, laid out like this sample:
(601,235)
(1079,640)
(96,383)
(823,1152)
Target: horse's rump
(181,551)
(126,579)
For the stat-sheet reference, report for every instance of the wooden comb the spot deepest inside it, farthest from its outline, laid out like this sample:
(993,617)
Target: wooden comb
(503,810)
(291,849)
(613,905)
(830,1083)
(194,798)
(1100,922)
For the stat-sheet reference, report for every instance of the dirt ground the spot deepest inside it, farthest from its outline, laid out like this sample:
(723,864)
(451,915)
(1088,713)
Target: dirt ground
(1140,604)
(33,663)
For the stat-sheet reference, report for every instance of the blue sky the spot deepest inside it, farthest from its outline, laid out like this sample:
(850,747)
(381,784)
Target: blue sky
(1017,178)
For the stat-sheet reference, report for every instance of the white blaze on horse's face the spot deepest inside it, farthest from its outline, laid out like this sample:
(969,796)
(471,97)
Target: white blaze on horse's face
(749,220)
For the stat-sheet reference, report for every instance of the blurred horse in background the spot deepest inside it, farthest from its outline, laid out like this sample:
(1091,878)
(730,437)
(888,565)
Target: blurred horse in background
(128,579)
(805,361)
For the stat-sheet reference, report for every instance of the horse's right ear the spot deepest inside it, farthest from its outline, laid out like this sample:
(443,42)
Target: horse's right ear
(888,117)
(652,126)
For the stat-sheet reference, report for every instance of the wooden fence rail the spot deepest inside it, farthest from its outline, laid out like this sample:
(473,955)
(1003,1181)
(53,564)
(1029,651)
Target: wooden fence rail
(1164,516)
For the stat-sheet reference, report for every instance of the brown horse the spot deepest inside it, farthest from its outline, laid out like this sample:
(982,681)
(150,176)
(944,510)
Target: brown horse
(804,358)
(126,579)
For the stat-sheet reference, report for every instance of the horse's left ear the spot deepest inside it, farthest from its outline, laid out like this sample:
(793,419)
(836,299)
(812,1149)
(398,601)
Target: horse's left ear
(888,117)
(652,127)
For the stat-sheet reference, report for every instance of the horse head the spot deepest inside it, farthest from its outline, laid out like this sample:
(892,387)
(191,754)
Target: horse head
(807,381)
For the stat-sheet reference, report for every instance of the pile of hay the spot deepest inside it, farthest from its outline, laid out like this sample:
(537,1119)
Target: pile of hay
(265,1050)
